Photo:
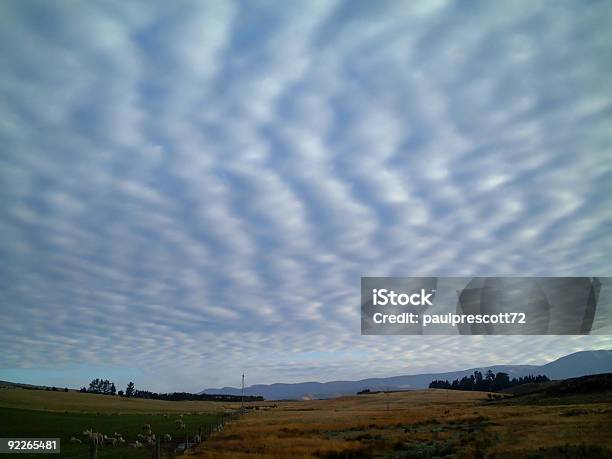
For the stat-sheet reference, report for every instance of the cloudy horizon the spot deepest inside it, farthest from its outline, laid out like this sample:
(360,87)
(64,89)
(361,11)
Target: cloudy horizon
(192,190)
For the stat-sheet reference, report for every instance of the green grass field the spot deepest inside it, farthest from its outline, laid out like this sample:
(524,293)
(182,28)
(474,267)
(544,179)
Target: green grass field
(34,419)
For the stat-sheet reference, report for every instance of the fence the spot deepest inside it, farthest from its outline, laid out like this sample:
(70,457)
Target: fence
(191,438)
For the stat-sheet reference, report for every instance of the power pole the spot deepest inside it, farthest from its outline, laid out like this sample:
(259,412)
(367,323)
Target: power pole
(387,398)
(242,395)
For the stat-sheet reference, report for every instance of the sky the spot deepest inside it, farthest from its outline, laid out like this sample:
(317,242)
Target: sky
(192,190)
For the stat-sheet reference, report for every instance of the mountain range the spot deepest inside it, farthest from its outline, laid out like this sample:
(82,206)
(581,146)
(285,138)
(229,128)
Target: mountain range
(570,366)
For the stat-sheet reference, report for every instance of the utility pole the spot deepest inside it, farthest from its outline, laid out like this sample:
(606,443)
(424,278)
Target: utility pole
(387,398)
(242,395)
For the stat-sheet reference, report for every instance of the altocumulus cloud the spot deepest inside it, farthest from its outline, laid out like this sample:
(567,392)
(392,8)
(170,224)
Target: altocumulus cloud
(190,189)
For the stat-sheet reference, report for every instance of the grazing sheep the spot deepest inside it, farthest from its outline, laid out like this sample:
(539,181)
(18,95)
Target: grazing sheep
(197,439)
(146,427)
(140,436)
(167,437)
(87,433)
(148,432)
(75,440)
(136,444)
(121,440)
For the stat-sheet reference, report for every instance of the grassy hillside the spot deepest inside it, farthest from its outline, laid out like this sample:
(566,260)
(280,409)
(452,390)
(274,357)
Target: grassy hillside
(80,402)
(585,389)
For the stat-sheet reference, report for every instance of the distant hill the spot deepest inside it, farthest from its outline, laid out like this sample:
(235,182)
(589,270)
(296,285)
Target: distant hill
(570,366)
(13,385)
(578,364)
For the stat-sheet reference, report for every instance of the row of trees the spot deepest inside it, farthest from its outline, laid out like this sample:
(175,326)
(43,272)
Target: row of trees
(490,382)
(101,386)
(182,396)
(106,387)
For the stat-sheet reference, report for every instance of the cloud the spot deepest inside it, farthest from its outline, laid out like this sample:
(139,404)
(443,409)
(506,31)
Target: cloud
(195,189)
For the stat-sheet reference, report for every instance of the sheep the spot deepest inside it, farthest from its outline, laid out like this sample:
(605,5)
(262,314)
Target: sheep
(113,441)
(146,427)
(121,440)
(148,432)
(167,437)
(136,444)
(75,440)
(87,433)
(197,439)
(140,436)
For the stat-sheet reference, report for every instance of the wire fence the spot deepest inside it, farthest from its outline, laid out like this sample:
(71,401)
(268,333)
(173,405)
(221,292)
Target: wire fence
(191,438)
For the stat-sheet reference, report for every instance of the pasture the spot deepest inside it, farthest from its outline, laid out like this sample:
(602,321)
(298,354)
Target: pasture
(35,413)
(417,424)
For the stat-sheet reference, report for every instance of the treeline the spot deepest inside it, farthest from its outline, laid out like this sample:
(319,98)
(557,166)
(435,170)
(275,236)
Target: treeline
(106,387)
(490,382)
(182,396)
(101,386)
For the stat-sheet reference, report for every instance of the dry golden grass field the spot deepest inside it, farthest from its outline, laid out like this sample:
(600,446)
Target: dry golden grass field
(419,424)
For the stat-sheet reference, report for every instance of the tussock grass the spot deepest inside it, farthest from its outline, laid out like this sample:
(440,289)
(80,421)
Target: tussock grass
(419,424)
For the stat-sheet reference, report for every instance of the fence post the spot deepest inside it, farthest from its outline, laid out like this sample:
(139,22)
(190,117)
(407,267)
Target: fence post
(93,450)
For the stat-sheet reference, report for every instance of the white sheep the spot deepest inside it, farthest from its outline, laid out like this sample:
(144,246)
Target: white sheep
(146,427)
(136,444)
